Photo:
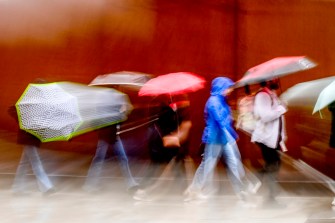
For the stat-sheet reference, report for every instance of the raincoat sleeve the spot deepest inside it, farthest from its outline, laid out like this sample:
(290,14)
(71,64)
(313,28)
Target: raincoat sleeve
(221,114)
(264,108)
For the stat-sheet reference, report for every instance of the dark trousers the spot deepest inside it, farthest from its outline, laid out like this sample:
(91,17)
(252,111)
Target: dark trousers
(271,158)
(271,168)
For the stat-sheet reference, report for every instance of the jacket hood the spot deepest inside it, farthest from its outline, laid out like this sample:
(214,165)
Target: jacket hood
(220,84)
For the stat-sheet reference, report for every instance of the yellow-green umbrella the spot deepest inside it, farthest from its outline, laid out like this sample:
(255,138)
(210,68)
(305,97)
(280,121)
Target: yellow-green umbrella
(62,110)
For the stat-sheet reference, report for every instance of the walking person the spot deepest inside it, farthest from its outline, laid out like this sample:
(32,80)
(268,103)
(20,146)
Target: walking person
(31,158)
(219,138)
(108,138)
(168,145)
(331,108)
(270,134)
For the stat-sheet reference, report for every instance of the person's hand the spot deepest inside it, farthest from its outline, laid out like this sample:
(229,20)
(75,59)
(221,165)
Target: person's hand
(171,141)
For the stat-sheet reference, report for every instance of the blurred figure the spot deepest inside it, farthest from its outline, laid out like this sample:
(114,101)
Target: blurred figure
(168,145)
(108,138)
(30,158)
(331,108)
(270,134)
(220,141)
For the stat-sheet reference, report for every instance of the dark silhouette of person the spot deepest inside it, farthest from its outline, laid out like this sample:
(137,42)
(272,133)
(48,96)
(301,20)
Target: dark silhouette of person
(331,108)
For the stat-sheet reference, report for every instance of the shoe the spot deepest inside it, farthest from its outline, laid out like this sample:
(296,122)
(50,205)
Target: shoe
(187,192)
(191,196)
(243,196)
(133,189)
(49,192)
(141,195)
(253,188)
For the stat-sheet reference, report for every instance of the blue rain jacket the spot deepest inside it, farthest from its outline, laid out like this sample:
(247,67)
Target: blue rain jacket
(218,129)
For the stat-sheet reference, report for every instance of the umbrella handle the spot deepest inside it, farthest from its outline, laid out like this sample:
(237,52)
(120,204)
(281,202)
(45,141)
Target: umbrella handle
(320,113)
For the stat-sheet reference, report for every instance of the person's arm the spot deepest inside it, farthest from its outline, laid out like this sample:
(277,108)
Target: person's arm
(239,115)
(175,139)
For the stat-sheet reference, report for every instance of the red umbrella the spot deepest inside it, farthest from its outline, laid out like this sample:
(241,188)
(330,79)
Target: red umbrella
(173,83)
(275,68)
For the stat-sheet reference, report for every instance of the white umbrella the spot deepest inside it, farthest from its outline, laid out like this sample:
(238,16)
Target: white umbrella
(305,94)
(326,97)
(130,79)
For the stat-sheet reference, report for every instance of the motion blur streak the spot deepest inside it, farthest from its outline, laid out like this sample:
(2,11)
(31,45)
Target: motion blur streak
(48,22)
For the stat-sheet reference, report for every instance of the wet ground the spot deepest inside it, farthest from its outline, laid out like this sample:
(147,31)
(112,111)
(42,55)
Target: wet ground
(304,196)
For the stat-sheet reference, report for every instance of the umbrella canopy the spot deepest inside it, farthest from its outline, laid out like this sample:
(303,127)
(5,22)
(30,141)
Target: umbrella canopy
(48,112)
(130,79)
(62,110)
(305,94)
(173,83)
(326,97)
(275,68)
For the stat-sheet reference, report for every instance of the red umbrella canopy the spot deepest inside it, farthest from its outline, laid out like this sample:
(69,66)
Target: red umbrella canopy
(173,83)
(275,68)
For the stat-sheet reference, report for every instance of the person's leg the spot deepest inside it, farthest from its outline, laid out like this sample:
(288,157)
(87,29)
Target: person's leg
(92,179)
(236,171)
(194,190)
(42,178)
(271,157)
(204,172)
(123,160)
(198,178)
(158,157)
(21,172)
(212,154)
(160,183)
(271,168)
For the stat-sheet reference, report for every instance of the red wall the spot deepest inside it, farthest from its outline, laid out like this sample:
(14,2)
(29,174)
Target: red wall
(77,40)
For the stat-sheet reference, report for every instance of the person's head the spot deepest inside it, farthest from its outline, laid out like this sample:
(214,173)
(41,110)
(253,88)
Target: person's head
(161,100)
(222,86)
(274,84)
(247,89)
(39,81)
(263,83)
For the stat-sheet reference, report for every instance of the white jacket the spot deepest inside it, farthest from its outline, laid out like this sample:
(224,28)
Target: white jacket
(268,110)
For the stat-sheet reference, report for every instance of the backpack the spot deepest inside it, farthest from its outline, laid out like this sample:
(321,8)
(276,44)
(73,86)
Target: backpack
(246,119)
